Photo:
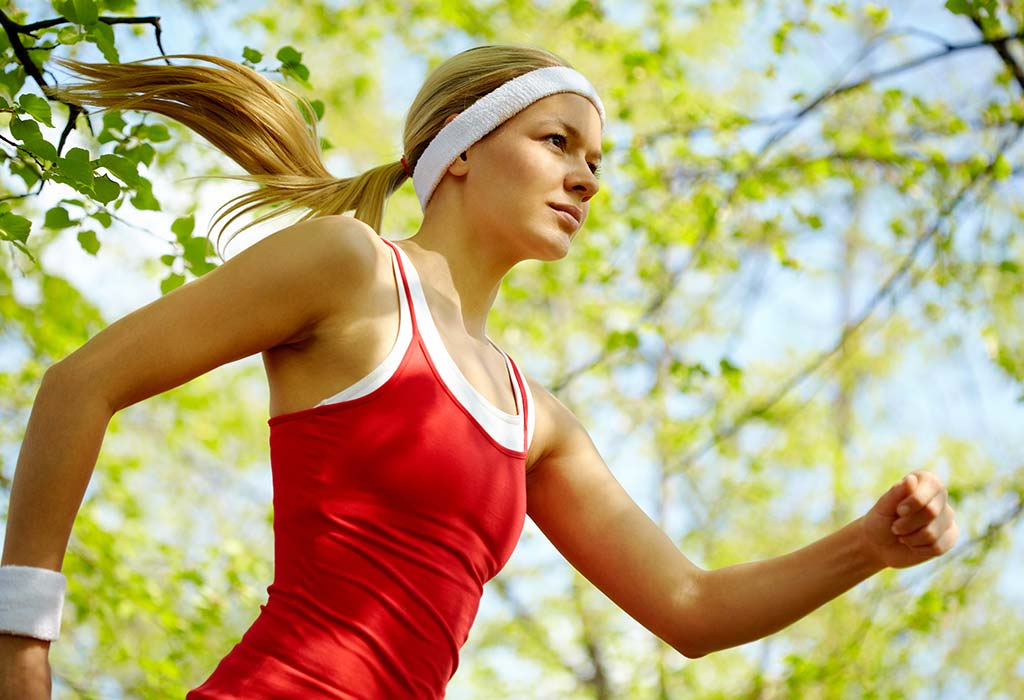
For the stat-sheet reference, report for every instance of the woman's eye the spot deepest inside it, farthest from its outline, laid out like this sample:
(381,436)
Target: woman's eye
(558,136)
(596,169)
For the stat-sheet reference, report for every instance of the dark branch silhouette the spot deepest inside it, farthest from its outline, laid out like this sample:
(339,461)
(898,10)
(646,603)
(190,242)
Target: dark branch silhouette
(14,32)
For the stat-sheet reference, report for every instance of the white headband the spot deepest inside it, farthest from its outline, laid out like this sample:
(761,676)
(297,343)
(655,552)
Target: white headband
(487,113)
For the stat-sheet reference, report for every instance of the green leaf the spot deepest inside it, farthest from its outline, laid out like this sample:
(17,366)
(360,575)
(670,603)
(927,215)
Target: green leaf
(152,132)
(780,36)
(122,168)
(837,9)
(580,8)
(77,168)
(105,190)
(144,198)
(142,153)
(251,55)
(14,227)
(297,71)
(90,244)
(27,131)
(183,227)
(779,248)
(1001,169)
(38,107)
(291,65)
(25,172)
(959,7)
(69,35)
(57,218)
(171,282)
(289,55)
(86,12)
(102,35)
(318,110)
(617,339)
(113,121)
(201,268)
(14,79)
(877,14)
(731,373)
(103,217)
(67,10)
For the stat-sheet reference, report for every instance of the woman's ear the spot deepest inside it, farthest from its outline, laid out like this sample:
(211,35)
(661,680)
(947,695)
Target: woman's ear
(457,171)
(458,166)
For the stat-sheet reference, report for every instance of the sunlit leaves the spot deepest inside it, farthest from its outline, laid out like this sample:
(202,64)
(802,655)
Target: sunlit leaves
(102,35)
(1002,168)
(120,167)
(83,12)
(14,227)
(689,213)
(87,239)
(292,66)
(27,131)
(251,55)
(37,107)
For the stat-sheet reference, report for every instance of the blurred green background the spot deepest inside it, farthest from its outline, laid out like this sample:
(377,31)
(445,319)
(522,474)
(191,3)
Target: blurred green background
(800,281)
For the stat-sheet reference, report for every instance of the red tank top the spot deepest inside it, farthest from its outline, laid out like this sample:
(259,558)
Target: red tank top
(394,502)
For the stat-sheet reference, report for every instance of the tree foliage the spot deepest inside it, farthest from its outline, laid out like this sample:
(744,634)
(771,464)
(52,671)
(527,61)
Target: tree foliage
(805,232)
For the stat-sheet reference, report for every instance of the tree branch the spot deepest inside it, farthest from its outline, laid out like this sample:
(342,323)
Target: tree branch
(662,295)
(14,30)
(999,45)
(530,625)
(721,434)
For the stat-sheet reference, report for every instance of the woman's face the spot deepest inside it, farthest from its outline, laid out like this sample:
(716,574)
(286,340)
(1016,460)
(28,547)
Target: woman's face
(544,155)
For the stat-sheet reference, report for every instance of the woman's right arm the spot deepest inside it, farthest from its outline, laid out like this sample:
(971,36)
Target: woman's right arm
(272,293)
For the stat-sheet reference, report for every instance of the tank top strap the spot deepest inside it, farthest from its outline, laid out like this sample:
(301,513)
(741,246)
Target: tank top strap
(405,283)
(528,420)
(524,392)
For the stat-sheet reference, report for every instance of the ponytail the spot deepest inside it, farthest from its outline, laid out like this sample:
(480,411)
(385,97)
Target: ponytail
(256,123)
(248,118)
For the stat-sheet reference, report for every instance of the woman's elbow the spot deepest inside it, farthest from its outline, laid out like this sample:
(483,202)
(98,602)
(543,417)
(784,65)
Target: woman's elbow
(690,651)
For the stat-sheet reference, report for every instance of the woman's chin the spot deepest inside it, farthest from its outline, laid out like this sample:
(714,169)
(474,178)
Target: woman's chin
(557,249)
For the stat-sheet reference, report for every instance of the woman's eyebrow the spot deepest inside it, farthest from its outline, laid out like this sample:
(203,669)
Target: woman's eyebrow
(574,132)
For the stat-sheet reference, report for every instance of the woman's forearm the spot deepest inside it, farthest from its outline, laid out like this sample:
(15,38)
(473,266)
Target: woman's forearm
(749,601)
(62,442)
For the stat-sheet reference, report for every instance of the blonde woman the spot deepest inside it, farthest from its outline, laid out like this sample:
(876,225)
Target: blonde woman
(406,447)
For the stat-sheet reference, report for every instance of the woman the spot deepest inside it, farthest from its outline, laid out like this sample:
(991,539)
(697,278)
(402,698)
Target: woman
(406,447)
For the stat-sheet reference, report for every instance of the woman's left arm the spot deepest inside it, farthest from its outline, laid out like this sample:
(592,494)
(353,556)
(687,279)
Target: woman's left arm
(578,504)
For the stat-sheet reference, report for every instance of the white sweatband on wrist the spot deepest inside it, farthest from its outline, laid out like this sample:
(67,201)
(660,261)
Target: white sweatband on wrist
(487,113)
(31,601)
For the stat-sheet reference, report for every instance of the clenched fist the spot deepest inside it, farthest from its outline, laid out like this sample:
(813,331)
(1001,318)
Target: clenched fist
(911,523)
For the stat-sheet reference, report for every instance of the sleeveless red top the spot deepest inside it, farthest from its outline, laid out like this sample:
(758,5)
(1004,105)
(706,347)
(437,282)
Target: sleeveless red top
(394,502)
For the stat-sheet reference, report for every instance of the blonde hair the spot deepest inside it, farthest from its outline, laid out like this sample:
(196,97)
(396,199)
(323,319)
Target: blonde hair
(255,122)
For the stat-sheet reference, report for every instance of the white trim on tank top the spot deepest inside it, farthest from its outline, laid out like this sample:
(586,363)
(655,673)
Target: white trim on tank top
(383,371)
(505,428)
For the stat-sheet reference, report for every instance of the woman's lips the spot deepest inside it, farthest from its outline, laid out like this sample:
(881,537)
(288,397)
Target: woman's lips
(568,218)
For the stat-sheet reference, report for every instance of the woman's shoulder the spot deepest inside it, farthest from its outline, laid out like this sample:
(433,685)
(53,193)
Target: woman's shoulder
(551,419)
(338,238)
(342,264)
